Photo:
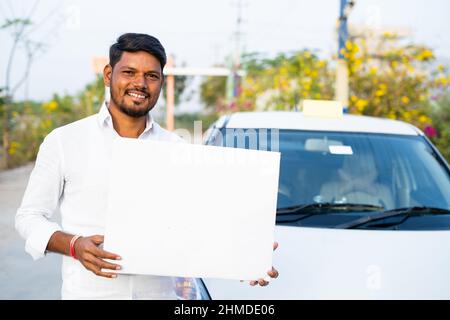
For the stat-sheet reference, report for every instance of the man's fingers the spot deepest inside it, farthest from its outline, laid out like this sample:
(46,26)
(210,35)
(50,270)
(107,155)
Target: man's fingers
(103,264)
(275,246)
(263,282)
(98,239)
(273,273)
(106,255)
(97,271)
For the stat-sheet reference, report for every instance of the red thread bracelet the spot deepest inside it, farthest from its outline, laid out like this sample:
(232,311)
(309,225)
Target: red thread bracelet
(72,246)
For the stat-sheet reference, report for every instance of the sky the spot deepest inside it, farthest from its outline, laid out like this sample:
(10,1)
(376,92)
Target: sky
(198,33)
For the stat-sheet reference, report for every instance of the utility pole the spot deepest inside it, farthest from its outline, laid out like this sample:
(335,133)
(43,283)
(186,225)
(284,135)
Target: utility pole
(342,88)
(233,78)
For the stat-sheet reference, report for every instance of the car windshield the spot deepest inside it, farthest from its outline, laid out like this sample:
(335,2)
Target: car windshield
(380,170)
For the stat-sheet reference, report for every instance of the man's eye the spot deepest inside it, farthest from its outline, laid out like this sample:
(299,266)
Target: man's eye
(152,76)
(128,72)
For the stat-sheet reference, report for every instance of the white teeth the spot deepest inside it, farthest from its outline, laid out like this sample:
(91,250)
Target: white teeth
(136,95)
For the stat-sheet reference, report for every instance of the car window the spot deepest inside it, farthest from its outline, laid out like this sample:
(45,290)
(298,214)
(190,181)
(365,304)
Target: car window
(392,171)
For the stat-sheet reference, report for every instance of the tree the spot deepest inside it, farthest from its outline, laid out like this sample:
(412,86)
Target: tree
(440,131)
(213,93)
(21,30)
(32,121)
(282,82)
(394,80)
(278,83)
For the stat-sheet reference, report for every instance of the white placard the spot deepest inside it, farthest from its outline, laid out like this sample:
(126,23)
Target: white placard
(178,209)
(346,150)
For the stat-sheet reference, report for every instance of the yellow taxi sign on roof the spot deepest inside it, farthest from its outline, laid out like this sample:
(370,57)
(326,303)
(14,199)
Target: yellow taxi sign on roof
(323,108)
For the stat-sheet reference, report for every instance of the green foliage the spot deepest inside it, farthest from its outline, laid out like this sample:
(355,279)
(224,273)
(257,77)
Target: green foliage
(396,82)
(15,22)
(280,83)
(387,78)
(186,120)
(392,82)
(440,114)
(213,91)
(31,121)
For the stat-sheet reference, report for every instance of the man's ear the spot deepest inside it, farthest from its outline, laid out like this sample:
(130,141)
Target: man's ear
(107,73)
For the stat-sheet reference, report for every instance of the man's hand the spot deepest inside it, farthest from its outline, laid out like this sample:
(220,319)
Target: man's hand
(90,256)
(272,273)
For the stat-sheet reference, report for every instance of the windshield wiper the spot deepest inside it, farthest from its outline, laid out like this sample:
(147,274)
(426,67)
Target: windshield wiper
(407,212)
(313,209)
(328,205)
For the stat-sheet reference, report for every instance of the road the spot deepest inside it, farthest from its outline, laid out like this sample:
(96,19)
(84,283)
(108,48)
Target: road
(20,276)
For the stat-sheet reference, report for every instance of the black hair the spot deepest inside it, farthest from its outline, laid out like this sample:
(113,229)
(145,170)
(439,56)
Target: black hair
(133,42)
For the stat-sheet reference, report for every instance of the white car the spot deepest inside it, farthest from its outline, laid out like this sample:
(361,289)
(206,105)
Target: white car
(363,208)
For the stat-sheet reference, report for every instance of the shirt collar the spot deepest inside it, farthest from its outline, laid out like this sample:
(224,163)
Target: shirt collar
(104,118)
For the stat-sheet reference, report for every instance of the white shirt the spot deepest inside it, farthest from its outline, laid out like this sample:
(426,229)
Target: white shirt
(71,171)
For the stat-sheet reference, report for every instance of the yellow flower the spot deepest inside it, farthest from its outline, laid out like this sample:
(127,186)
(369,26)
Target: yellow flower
(353,98)
(425,55)
(380,93)
(361,105)
(306,85)
(392,115)
(349,45)
(382,88)
(321,64)
(373,71)
(50,106)
(442,81)
(13,147)
(441,68)
(388,35)
(284,71)
(407,116)
(405,100)
(424,119)
(394,64)
(46,124)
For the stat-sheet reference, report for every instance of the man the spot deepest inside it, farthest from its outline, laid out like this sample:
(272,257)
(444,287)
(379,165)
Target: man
(71,172)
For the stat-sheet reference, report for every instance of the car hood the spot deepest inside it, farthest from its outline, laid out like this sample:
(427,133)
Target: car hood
(317,263)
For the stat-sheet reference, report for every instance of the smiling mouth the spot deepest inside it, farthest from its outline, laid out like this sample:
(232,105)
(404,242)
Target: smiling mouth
(137,95)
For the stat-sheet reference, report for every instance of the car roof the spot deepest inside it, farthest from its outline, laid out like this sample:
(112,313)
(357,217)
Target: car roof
(292,120)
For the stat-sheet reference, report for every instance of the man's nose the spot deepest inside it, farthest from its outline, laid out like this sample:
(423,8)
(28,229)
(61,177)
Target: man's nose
(139,82)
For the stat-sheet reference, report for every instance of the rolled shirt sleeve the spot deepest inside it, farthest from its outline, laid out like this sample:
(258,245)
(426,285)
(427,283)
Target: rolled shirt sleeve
(41,197)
